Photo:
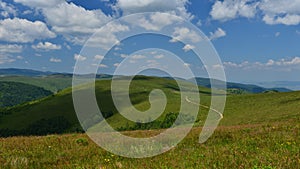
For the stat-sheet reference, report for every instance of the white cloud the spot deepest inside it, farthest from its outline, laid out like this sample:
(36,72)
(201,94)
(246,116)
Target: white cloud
(285,12)
(106,37)
(230,9)
(135,57)
(46,46)
(184,33)
(186,64)
(177,7)
(159,56)
(74,22)
(11,48)
(99,57)
(273,12)
(23,31)
(103,66)
(7,51)
(217,34)
(188,47)
(218,67)
(6,59)
(27,12)
(39,3)
(100,65)
(286,20)
(297,32)
(55,60)
(155,22)
(281,64)
(78,57)
(123,55)
(152,63)
(277,34)
(20,57)
(6,9)
(199,23)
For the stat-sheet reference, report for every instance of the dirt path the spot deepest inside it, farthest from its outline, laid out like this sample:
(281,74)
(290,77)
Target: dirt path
(209,108)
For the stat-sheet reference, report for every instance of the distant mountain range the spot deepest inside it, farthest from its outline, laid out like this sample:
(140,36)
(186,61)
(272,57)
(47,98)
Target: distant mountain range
(293,85)
(246,88)
(23,72)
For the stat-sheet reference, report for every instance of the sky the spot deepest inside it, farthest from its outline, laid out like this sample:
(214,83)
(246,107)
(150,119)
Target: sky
(256,40)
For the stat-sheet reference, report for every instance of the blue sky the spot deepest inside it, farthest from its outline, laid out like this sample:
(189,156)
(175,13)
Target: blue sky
(257,40)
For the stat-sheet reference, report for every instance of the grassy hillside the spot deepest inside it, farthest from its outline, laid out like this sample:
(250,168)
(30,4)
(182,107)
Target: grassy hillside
(13,93)
(32,114)
(269,146)
(257,131)
(52,83)
(44,114)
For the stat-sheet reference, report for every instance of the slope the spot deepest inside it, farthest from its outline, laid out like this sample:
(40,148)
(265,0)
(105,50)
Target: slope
(57,110)
(13,93)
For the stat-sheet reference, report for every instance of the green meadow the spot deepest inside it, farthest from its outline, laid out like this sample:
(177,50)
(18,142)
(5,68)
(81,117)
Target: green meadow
(257,131)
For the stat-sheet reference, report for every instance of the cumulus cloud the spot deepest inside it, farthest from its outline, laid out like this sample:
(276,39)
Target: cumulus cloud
(177,7)
(123,55)
(106,37)
(285,12)
(23,31)
(217,34)
(39,3)
(186,64)
(9,48)
(46,46)
(6,51)
(137,57)
(103,66)
(188,47)
(183,33)
(67,19)
(159,56)
(78,57)
(74,22)
(230,9)
(155,22)
(273,12)
(6,59)
(55,60)
(280,64)
(99,57)
(288,19)
(6,9)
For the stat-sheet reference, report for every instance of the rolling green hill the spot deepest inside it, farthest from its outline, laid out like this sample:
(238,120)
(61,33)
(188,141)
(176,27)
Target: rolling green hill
(13,93)
(22,119)
(257,131)
(55,114)
(53,83)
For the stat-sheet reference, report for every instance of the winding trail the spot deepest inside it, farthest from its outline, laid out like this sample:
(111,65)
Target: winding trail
(209,108)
